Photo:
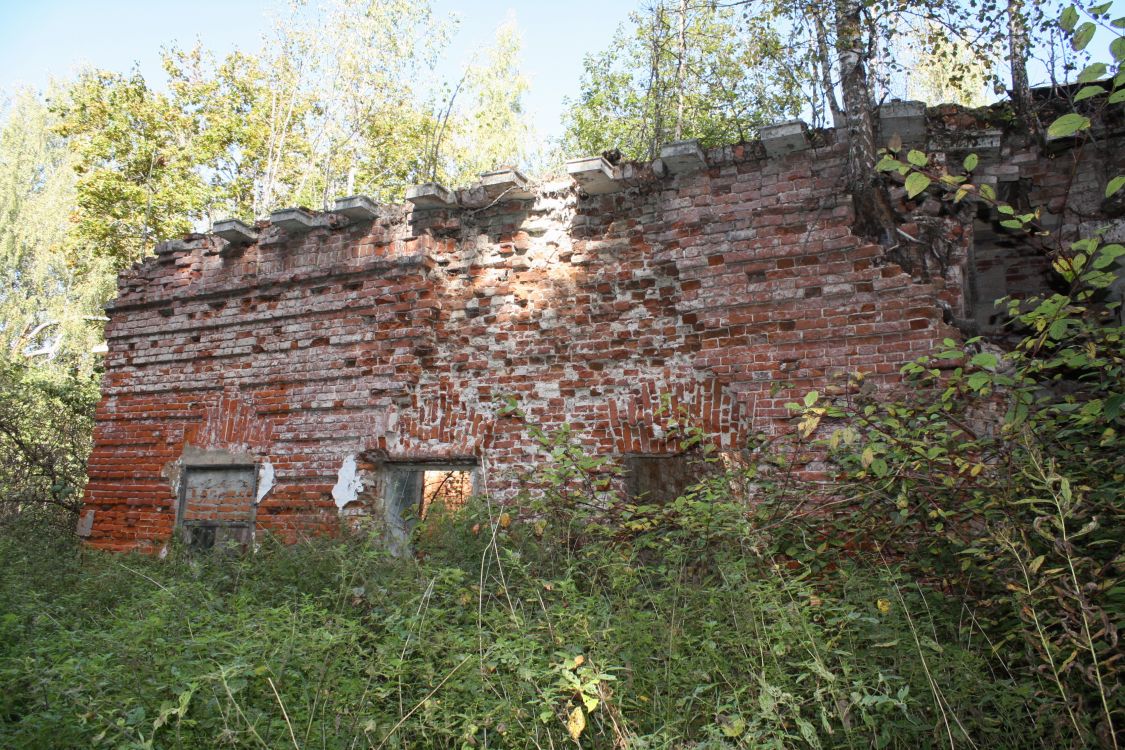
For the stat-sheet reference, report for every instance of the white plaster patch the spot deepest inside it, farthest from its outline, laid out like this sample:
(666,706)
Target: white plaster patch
(265,481)
(348,483)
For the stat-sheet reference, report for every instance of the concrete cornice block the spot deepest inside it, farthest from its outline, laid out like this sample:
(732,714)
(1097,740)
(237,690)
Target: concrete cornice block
(357,208)
(235,232)
(293,219)
(595,175)
(784,138)
(186,244)
(683,157)
(431,195)
(905,119)
(509,183)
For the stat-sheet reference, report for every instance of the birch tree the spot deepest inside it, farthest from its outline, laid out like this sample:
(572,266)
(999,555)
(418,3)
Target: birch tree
(492,131)
(681,70)
(51,290)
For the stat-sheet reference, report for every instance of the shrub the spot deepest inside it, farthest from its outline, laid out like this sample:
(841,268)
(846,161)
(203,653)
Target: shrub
(492,640)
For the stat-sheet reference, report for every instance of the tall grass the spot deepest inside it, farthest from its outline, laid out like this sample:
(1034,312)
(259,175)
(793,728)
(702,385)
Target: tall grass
(496,637)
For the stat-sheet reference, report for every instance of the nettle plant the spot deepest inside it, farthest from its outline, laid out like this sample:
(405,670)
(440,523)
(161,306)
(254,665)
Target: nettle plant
(999,473)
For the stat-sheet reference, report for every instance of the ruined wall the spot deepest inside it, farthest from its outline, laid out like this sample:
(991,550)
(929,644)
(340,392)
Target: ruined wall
(1064,179)
(324,352)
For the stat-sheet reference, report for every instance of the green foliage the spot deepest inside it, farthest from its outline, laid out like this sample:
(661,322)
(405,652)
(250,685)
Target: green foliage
(51,292)
(999,475)
(136,161)
(492,132)
(347,89)
(492,640)
(46,425)
(947,65)
(716,78)
(243,148)
(1000,472)
(339,100)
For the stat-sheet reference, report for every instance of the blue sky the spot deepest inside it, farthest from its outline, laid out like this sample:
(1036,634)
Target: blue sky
(44,38)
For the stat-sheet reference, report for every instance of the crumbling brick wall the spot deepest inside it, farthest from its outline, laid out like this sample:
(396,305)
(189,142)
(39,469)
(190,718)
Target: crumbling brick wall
(324,354)
(1064,179)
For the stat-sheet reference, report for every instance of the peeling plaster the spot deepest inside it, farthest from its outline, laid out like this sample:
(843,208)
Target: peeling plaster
(265,481)
(348,483)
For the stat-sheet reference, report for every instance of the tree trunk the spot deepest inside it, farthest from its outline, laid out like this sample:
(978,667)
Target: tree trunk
(826,67)
(655,95)
(872,212)
(1017,60)
(680,64)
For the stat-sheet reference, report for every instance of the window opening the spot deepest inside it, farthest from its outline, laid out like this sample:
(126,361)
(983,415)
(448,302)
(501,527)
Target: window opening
(216,507)
(413,490)
(658,479)
(449,488)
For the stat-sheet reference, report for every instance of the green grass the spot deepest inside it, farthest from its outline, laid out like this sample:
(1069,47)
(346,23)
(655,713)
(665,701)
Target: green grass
(517,643)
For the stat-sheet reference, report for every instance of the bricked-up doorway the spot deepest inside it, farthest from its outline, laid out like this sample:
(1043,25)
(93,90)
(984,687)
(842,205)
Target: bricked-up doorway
(660,479)
(216,506)
(413,490)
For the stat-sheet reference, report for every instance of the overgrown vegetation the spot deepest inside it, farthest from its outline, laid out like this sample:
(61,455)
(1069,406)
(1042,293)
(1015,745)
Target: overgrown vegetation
(500,637)
(961,590)
(46,431)
(958,586)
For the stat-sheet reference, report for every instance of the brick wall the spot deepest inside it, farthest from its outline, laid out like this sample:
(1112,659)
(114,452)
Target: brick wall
(1064,179)
(320,355)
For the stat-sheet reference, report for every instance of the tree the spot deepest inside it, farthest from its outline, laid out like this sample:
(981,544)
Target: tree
(46,430)
(945,69)
(492,131)
(50,311)
(51,293)
(363,67)
(333,104)
(137,161)
(251,134)
(849,43)
(684,71)
(853,48)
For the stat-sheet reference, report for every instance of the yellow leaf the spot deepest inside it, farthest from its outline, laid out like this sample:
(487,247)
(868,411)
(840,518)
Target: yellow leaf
(576,723)
(505,520)
(808,425)
(883,605)
(735,727)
